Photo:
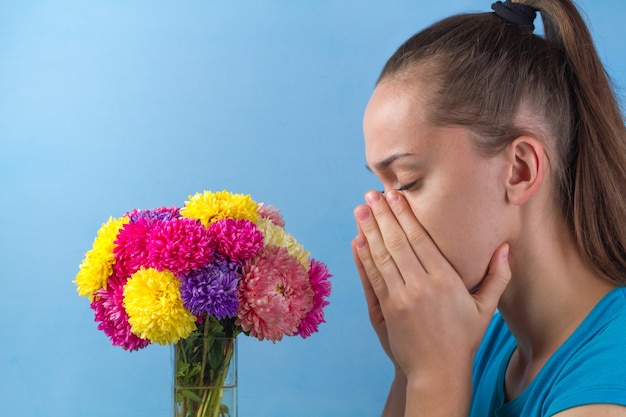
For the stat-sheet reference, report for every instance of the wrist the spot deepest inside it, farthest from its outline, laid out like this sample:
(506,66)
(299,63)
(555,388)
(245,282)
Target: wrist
(395,405)
(445,394)
(399,375)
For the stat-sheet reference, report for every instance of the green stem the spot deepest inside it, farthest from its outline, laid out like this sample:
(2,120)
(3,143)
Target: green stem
(220,378)
(200,393)
(205,348)
(205,393)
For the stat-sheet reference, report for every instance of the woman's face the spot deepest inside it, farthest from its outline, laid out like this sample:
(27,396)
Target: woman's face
(456,193)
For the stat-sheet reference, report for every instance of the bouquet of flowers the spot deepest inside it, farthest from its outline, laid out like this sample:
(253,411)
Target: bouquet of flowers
(220,265)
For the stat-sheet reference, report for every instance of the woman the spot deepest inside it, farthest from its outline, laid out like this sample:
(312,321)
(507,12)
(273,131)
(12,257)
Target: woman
(503,159)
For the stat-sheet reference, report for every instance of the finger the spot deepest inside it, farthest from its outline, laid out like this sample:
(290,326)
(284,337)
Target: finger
(374,308)
(495,282)
(368,271)
(429,255)
(378,253)
(370,295)
(395,244)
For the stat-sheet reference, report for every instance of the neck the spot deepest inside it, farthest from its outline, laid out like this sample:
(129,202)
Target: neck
(550,294)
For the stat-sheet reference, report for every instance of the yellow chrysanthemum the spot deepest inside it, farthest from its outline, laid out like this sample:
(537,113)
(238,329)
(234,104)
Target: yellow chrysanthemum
(210,207)
(155,308)
(97,265)
(276,235)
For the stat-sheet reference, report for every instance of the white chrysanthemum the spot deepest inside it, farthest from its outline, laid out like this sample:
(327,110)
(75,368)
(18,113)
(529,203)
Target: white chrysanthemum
(275,235)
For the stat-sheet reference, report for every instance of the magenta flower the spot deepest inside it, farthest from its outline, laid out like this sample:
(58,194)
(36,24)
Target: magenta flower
(271,213)
(274,295)
(179,245)
(212,290)
(237,239)
(131,252)
(321,288)
(108,305)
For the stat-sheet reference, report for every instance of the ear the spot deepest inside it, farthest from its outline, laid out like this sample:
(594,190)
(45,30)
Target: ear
(527,165)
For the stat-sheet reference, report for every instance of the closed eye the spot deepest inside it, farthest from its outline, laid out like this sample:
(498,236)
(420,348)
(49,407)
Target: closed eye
(408,186)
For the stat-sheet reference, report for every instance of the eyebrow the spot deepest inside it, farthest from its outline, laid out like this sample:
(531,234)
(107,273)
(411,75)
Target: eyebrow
(385,163)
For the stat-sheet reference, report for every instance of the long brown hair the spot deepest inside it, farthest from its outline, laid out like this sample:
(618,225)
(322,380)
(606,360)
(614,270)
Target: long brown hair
(483,73)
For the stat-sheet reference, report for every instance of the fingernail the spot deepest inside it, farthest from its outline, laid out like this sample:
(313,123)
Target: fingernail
(505,253)
(392,196)
(362,213)
(360,242)
(372,197)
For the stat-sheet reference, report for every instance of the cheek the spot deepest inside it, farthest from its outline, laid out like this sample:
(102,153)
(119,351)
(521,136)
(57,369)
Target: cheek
(465,224)
(469,244)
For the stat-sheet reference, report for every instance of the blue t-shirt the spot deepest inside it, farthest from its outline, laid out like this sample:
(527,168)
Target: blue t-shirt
(588,368)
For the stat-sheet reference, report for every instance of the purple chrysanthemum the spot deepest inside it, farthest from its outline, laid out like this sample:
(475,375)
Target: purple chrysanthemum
(212,290)
(237,239)
(179,245)
(161,213)
(321,289)
(108,305)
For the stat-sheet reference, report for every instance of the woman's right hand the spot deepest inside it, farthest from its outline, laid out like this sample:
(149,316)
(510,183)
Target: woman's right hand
(376,316)
(395,405)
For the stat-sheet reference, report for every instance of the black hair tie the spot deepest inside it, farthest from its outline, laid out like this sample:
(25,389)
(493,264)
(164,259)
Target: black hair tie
(519,14)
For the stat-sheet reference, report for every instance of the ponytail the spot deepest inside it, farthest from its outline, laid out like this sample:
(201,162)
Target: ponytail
(595,177)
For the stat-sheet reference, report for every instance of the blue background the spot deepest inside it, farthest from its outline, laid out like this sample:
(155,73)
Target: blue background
(107,106)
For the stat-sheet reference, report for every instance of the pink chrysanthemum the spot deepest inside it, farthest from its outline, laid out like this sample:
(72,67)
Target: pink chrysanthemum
(108,304)
(321,288)
(271,213)
(179,245)
(131,252)
(237,239)
(274,295)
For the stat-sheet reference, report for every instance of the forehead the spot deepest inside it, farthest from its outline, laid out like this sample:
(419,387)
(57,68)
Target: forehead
(395,123)
(394,101)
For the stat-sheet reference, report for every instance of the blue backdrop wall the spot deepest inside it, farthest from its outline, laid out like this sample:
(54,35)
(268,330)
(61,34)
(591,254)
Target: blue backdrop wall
(106,106)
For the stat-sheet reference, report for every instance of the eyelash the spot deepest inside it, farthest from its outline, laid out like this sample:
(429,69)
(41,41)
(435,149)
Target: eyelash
(407,187)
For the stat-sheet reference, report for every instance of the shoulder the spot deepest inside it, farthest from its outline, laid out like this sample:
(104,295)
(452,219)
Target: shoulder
(590,367)
(593,410)
(603,332)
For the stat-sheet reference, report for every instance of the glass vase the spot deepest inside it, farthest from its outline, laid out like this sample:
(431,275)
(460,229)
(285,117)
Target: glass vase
(205,376)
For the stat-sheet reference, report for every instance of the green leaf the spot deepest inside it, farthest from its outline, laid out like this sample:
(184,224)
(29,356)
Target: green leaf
(191,395)
(216,355)
(224,411)
(181,368)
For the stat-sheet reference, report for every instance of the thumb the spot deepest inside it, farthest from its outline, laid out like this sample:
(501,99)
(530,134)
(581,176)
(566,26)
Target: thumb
(495,282)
